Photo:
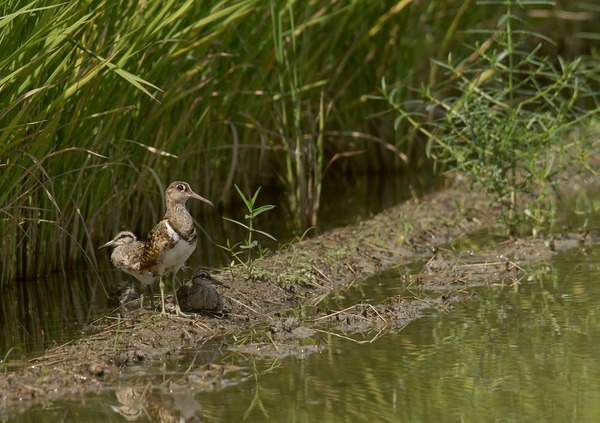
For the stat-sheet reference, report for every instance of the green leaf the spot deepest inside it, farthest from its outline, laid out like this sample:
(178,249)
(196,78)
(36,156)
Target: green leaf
(243,197)
(237,223)
(265,234)
(254,197)
(262,209)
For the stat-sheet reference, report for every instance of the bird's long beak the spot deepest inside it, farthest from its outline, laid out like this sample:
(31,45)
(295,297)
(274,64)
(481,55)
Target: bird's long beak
(108,244)
(199,197)
(217,282)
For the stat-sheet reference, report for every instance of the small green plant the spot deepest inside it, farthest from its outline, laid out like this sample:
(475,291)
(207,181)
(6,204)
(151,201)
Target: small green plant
(516,121)
(4,360)
(250,244)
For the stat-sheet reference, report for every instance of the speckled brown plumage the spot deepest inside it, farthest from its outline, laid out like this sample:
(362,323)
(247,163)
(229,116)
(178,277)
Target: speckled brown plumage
(127,256)
(127,252)
(170,243)
(198,294)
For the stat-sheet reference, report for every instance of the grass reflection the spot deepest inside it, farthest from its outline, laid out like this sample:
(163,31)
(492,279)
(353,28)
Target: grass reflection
(40,314)
(519,353)
(524,353)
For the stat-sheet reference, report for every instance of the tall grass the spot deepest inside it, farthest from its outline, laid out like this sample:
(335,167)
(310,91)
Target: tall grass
(103,103)
(82,133)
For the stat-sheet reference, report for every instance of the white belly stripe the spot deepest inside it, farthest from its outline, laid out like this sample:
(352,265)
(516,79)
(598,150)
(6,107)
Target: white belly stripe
(174,258)
(172,234)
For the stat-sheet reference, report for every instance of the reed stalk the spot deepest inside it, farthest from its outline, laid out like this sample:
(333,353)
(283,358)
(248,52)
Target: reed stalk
(103,103)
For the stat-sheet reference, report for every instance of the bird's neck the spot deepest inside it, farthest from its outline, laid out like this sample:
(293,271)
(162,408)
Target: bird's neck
(179,218)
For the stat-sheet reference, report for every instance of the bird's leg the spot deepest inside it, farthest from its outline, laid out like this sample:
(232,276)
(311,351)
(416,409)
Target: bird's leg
(162,295)
(142,298)
(151,288)
(178,311)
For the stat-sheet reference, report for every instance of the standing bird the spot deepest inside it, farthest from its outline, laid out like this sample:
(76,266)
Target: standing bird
(199,295)
(173,239)
(127,257)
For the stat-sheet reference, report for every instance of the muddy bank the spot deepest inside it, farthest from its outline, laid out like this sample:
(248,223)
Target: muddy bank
(262,306)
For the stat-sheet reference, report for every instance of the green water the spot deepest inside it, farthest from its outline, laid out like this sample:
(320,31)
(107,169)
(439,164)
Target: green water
(525,353)
(517,354)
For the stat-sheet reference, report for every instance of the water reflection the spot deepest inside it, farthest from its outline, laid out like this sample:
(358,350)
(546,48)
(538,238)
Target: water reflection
(518,354)
(38,314)
(157,404)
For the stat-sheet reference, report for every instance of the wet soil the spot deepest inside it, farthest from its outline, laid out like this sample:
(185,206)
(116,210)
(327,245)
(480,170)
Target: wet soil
(274,308)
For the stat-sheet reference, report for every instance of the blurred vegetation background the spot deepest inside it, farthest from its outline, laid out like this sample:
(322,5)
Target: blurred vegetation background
(103,103)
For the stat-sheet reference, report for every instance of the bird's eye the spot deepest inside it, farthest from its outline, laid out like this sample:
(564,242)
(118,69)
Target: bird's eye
(181,187)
